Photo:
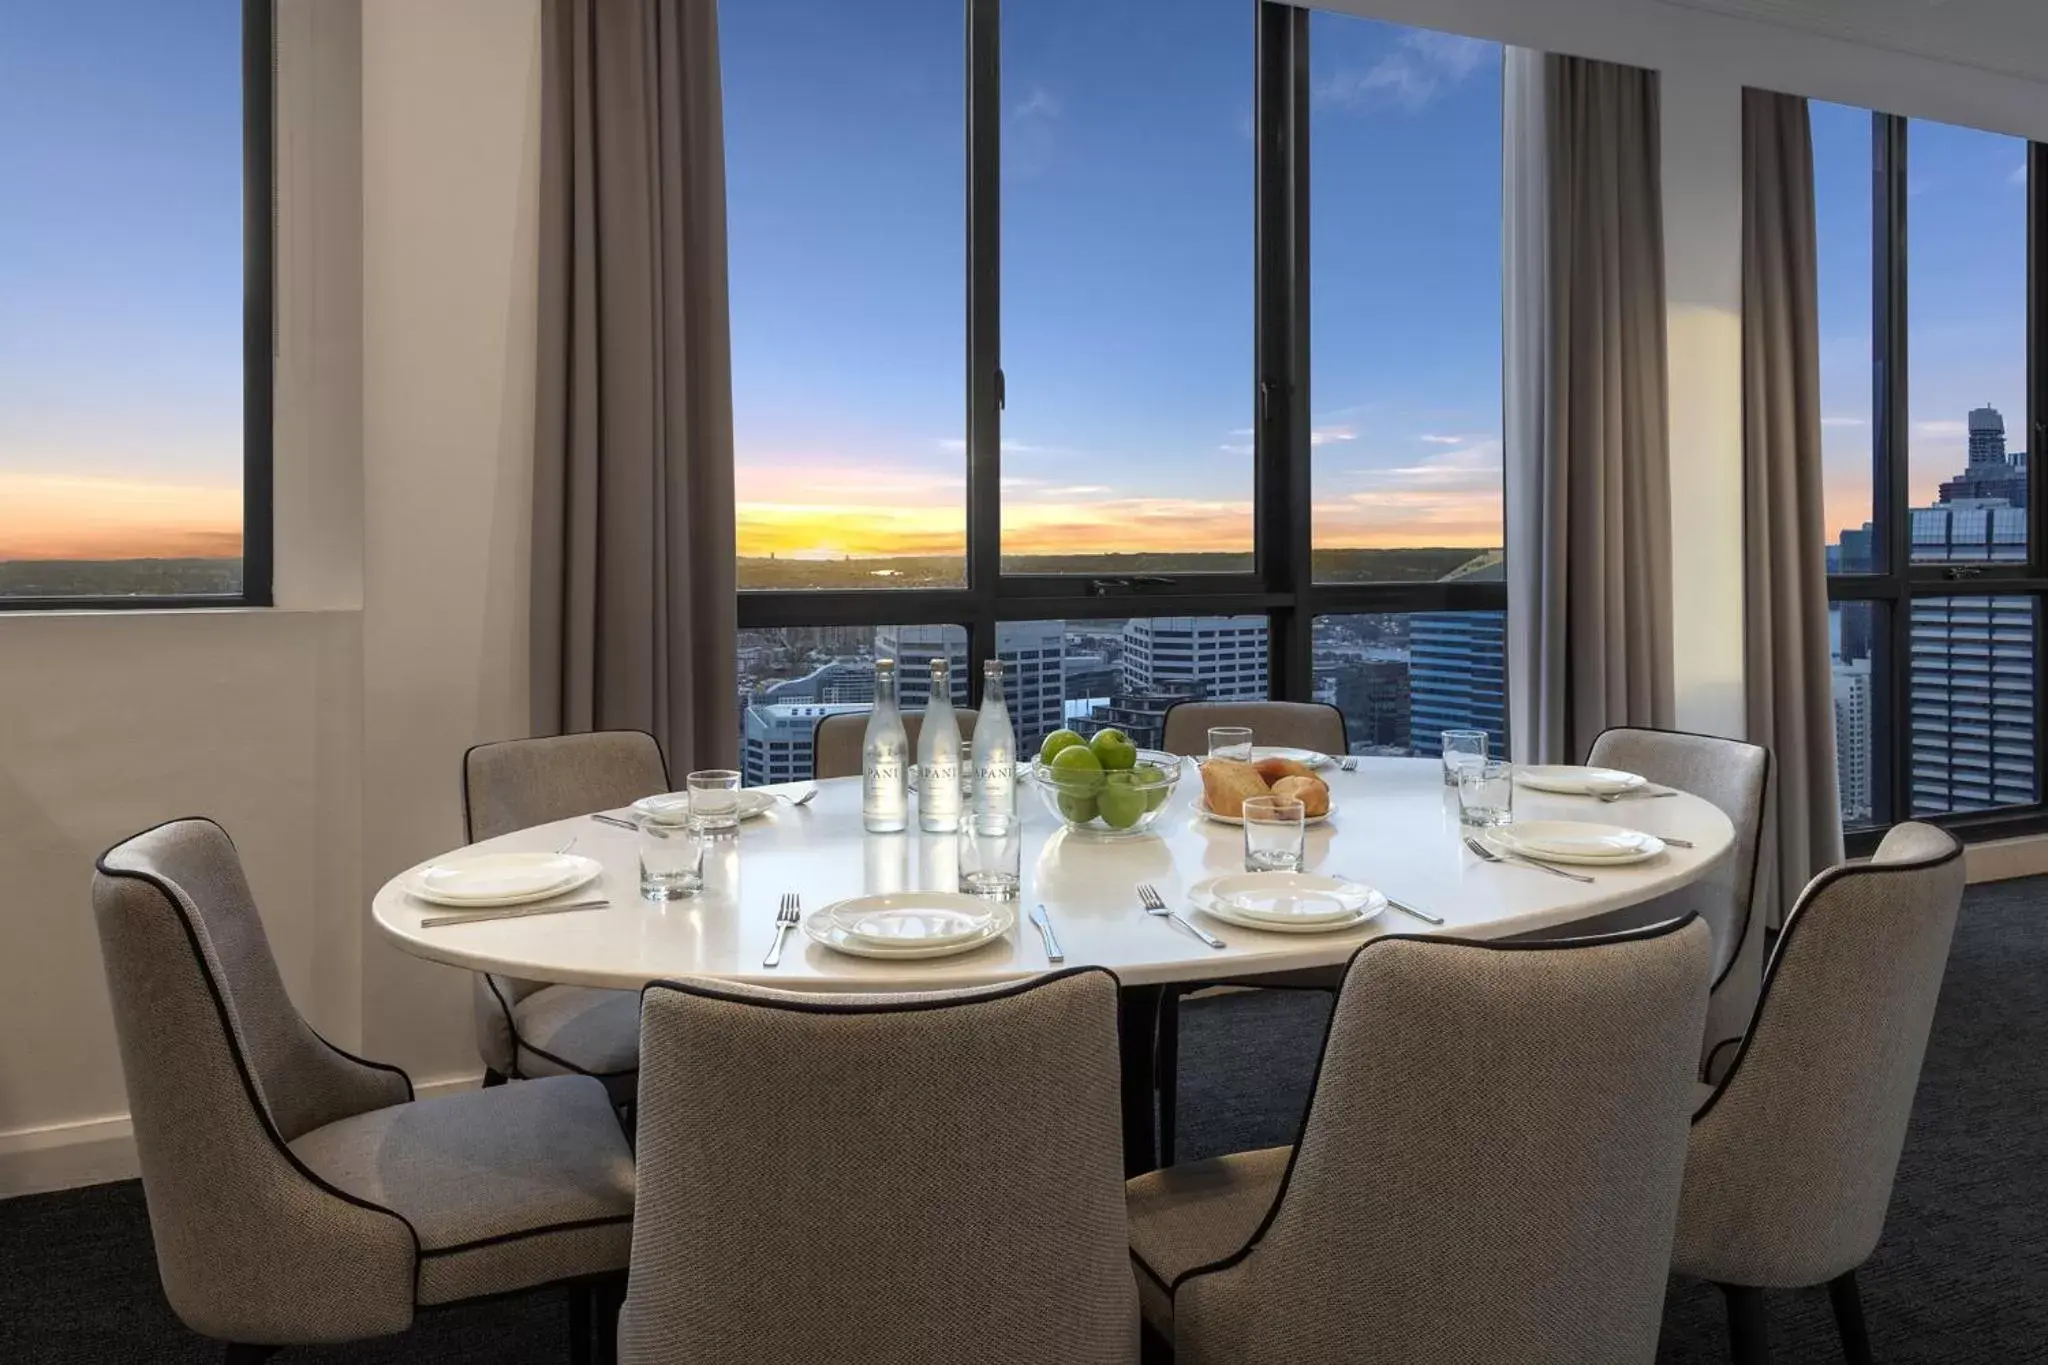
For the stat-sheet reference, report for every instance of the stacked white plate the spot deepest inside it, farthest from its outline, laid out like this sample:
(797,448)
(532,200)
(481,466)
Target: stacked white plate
(1575,841)
(673,808)
(910,924)
(1573,780)
(1287,902)
(483,881)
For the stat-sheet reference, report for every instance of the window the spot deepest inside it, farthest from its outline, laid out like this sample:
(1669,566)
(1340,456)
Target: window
(1024,345)
(1935,568)
(1402,680)
(135,333)
(790,679)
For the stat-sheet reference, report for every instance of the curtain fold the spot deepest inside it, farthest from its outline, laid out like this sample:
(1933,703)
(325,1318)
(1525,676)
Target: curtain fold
(1790,685)
(634,604)
(1588,478)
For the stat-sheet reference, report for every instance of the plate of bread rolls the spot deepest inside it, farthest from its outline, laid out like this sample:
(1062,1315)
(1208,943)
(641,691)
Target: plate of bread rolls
(1227,783)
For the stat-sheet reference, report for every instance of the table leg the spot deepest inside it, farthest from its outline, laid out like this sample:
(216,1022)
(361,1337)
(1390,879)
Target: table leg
(1137,1029)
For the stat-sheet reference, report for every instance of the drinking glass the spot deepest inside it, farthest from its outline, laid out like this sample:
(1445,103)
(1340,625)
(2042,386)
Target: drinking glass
(1273,833)
(991,855)
(671,859)
(1230,741)
(1460,748)
(1486,793)
(715,802)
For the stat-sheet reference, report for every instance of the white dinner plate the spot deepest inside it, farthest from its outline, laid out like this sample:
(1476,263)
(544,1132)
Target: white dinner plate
(1576,841)
(1369,904)
(1573,780)
(673,808)
(486,880)
(914,918)
(1308,758)
(1202,809)
(821,926)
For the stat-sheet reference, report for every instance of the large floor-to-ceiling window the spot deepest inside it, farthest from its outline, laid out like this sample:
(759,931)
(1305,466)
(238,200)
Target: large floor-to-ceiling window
(1931,385)
(1151,348)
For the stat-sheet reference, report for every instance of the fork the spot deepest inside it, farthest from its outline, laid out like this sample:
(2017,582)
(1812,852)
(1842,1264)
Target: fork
(1155,904)
(1611,797)
(804,800)
(1490,856)
(785,919)
(1347,765)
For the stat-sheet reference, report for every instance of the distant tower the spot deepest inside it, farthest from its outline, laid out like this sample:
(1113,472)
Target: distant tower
(1992,476)
(1987,435)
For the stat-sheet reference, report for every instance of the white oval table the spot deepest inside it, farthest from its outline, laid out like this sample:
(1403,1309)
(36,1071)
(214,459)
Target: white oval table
(1394,826)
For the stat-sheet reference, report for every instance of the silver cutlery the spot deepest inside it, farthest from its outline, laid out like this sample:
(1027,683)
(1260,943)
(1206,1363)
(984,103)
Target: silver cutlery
(1675,843)
(518,912)
(1347,765)
(1405,909)
(810,793)
(1154,904)
(1611,797)
(785,920)
(616,823)
(1482,851)
(1052,944)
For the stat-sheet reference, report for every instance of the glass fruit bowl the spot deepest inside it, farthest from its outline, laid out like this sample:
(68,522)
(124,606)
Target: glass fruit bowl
(1114,804)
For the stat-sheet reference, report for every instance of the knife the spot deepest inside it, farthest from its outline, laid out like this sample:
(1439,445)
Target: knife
(479,916)
(1052,945)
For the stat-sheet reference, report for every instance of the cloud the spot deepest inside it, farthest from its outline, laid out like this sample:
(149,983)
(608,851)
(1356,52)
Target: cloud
(954,445)
(1041,103)
(88,517)
(1422,66)
(1467,439)
(2018,176)
(1843,422)
(1329,435)
(1236,448)
(1942,427)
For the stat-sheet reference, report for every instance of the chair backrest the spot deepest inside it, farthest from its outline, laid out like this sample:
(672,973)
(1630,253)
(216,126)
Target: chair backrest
(516,783)
(836,744)
(830,1179)
(1735,777)
(222,1072)
(1293,724)
(1497,1132)
(1794,1152)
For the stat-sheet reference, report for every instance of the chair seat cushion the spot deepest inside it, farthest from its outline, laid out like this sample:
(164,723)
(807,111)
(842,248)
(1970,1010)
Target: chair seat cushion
(505,1188)
(1190,1215)
(567,1030)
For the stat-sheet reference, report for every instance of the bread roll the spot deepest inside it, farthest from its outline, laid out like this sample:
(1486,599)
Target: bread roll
(1273,769)
(1226,783)
(1312,792)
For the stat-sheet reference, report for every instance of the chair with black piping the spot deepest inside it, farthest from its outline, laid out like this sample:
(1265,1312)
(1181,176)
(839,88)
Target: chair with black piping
(1736,777)
(298,1195)
(1792,1157)
(1488,1169)
(530,1028)
(838,739)
(1310,725)
(916,1178)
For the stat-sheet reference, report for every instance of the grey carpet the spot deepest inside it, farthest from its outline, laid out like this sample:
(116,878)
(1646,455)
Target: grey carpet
(1962,1274)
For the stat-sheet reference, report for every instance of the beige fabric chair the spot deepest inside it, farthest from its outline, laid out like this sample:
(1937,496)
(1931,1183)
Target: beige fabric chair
(531,1028)
(919,1179)
(301,1195)
(1793,1154)
(1488,1171)
(1294,724)
(836,743)
(1736,777)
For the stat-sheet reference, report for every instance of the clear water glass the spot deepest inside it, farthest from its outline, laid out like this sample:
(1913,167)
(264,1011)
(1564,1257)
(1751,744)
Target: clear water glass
(1230,741)
(715,802)
(991,855)
(671,859)
(1274,833)
(1460,748)
(1486,793)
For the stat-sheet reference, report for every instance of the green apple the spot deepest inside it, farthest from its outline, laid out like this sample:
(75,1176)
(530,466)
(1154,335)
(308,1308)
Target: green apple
(1122,802)
(1150,778)
(1114,749)
(1056,741)
(1078,807)
(1075,772)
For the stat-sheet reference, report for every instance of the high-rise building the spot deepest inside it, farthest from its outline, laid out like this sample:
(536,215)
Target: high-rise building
(1032,654)
(1991,475)
(1852,740)
(1221,658)
(1457,677)
(777,739)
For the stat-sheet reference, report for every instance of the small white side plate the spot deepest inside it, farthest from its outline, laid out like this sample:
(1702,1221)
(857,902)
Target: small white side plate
(821,927)
(482,881)
(1290,897)
(913,918)
(673,808)
(1199,895)
(1578,842)
(1572,780)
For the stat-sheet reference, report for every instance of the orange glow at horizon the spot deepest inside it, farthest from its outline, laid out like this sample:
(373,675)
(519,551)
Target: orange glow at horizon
(61,517)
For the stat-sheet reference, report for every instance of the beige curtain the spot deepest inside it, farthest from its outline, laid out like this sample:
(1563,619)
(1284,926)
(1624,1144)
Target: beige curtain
(1790,684)
(633,576)
(1588,478)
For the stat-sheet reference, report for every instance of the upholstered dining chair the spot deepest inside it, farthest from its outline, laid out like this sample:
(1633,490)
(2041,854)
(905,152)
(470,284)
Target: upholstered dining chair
(1790,1168)
(836,743)
(526,1029)
(1293,724)
(1736,777)
(928,1177)
(298,1195)
(1488,1170)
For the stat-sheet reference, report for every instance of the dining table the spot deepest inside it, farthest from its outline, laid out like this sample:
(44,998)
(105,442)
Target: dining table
(1393,825)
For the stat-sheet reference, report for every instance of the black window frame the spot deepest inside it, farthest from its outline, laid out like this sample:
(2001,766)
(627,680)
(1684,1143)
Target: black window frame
(1897,583)
(259,330)
(1281,585)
